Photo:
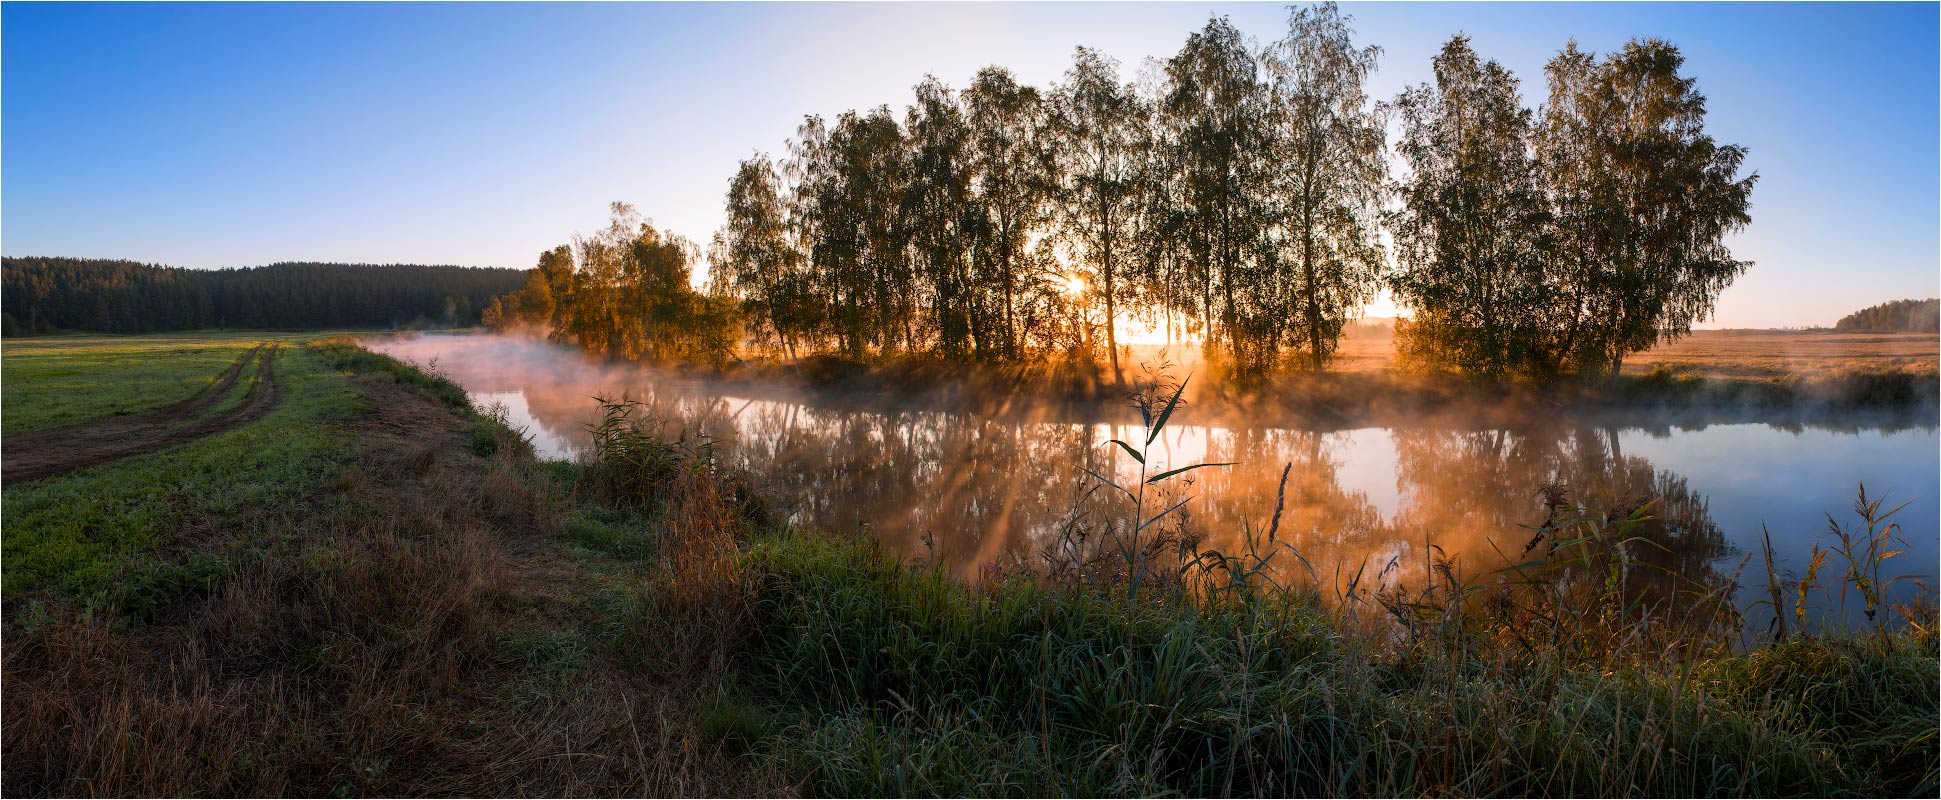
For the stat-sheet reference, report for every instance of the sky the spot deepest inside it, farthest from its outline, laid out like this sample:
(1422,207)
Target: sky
(210,135)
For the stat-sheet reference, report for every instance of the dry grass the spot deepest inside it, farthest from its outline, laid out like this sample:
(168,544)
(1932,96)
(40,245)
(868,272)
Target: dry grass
(1811,355)
(1726,354)
(414,630)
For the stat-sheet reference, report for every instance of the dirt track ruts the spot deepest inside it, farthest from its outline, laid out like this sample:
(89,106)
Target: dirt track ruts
(41,454)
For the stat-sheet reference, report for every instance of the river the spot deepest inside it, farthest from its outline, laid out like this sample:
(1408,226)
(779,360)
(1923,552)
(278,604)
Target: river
(978,490)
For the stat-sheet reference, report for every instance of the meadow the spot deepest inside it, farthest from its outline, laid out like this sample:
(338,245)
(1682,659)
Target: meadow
(52,381)
(375,589)
(88,531)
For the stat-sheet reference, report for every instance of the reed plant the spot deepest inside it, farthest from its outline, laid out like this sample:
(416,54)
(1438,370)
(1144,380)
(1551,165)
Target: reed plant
(1581,668)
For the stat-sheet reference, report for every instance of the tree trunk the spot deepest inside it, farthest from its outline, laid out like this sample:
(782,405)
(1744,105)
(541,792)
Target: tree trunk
(1111,309)
(1307,268)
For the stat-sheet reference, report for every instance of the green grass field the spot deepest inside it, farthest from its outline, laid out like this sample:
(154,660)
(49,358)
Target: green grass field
(77,532)
(55,381)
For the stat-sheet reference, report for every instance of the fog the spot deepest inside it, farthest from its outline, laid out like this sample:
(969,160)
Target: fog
(976,481)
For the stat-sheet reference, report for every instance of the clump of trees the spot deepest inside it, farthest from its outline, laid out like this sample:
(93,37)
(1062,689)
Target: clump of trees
(1899,316)
(40,295)
(1234,193)
(623,292)
(1553,243)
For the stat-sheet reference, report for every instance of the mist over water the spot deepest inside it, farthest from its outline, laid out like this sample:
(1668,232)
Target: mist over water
(972,487)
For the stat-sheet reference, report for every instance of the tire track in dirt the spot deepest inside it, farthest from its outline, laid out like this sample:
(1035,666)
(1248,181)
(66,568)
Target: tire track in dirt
(112,427)
(43,454)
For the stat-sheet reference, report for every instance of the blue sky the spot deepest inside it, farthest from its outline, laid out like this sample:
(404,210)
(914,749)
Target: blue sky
(212,135)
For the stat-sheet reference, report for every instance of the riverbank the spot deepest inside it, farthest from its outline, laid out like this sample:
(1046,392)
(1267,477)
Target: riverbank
(437,613)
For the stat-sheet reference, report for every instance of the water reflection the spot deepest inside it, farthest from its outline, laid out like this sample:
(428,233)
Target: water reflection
(975,488)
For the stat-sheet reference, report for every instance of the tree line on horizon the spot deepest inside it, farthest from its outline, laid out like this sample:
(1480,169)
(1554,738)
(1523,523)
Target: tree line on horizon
(1233,193)
(1899,316)
(45,295)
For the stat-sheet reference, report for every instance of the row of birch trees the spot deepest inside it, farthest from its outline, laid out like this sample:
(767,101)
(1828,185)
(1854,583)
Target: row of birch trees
(1251,197)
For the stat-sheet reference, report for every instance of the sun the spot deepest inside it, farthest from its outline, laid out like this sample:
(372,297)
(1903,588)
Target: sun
(1074,285)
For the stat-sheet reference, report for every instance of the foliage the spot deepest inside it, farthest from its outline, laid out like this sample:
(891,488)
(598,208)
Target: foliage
(1004,223)
(1329,143)
(1900,316)
(1471,227)
(1543,247)
(624,292)
(1234,193)
(1099,128)
(53,294)
(1642,200)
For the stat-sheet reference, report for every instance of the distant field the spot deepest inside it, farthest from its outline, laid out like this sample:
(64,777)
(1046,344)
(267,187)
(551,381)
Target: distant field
(1729,354)
(1757,355)
(54,381)
(1732,354)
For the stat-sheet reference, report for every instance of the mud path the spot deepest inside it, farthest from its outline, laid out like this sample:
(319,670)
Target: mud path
(41,454)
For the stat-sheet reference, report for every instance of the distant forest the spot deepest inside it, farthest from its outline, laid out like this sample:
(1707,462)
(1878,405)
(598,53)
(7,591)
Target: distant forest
(1236,193)
(42,295)
(1900,316)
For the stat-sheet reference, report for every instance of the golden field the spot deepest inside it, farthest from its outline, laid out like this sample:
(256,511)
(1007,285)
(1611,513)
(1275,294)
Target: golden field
(1727,354)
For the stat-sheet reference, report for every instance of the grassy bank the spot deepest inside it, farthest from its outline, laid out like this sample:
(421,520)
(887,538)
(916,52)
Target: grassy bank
(874,680)
(426,610)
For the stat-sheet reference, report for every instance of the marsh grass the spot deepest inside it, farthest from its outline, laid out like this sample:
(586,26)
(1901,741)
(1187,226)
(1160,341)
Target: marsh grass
(1123,659)
(905,682)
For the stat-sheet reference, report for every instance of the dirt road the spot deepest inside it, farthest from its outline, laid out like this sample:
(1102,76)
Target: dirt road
(41,454)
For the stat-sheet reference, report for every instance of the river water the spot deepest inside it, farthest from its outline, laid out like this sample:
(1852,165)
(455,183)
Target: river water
(979,489)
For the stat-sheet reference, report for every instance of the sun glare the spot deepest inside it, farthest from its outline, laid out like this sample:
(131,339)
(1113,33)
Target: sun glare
(1074,285)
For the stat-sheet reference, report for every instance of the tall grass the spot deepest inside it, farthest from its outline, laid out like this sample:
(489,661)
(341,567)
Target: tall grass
(1573,671)
(907,683)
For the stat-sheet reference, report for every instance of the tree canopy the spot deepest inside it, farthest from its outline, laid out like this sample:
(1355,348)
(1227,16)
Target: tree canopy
(1235,191)
(624,292)
(1559,242)
(52,294)
(1239,194)
(1899,316)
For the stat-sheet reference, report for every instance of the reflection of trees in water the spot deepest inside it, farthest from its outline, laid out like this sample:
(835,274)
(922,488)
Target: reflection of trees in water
(1473,493)
(1338,532)
(970,488)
